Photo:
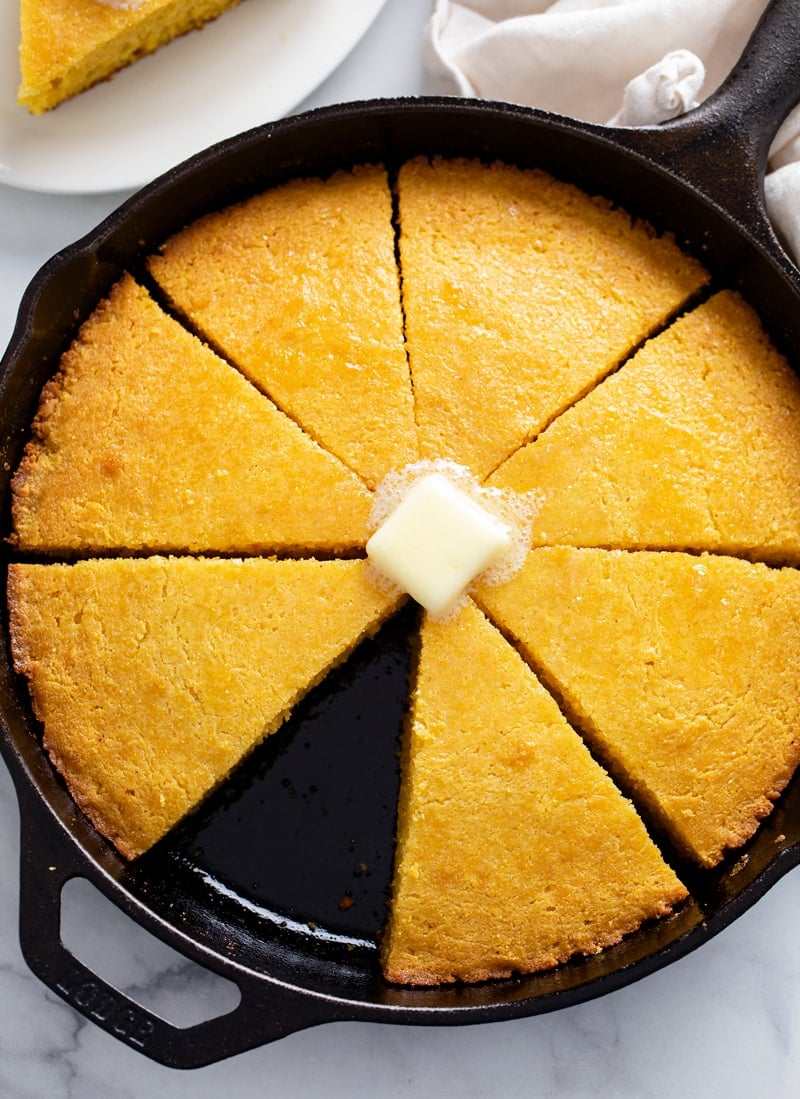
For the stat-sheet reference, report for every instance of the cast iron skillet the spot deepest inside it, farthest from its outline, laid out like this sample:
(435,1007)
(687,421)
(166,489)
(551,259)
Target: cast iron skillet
(279,881)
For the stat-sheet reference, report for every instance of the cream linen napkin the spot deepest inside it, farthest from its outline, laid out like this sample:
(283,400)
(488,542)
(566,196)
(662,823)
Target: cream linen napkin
(619,62)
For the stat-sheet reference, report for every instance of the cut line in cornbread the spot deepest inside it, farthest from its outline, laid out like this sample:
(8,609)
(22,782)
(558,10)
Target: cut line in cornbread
(299,287)
(693,444)
(683,671)
(154,677)
(147,440)
(515,849)
(520,292)
(66,46)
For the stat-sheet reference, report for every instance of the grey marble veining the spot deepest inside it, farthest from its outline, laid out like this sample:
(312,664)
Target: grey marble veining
(724,1021)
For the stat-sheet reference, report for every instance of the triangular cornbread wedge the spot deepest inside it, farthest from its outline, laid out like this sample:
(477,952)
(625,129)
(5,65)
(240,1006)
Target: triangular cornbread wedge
(519,293)
(682,670)
(515,849)
(67,46)
(146,439)
(153,677)
(693,444)
(299,287)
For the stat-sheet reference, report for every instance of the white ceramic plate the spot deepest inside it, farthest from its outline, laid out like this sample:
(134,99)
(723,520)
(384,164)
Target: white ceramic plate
(254,64)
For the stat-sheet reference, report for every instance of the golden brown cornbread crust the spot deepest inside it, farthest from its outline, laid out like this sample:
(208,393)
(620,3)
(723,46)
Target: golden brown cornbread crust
(515,850)
(702,715)
(300,289)
(694,443)
(163,673)
(520,293)
(66,46)
(185,455)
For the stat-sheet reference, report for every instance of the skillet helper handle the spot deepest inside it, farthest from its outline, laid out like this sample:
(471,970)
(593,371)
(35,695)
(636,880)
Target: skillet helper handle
(721,147)
(267,1010)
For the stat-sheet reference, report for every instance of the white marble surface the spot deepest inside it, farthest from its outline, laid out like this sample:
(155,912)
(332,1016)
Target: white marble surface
(724,1021)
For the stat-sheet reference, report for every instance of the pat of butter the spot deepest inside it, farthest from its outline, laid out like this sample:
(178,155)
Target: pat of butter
(436,541)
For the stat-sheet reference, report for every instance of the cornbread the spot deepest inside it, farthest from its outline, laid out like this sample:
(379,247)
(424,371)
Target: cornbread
(683,671)
(163,673)
(520,292)
(185,454)
(305,357)
(299,287)
(515,849)
(694,443)
(66,46)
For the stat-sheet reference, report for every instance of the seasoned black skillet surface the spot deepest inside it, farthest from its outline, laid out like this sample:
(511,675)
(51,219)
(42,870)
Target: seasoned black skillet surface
(279,880)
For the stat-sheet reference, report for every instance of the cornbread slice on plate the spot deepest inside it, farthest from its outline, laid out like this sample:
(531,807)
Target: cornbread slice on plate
(146,439)
(519,292)
(515,849)
(299,287)
(153,677)
(694,443)
(683,671)
(66,46)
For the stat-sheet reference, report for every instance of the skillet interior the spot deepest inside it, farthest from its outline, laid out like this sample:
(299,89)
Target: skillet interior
(326,786)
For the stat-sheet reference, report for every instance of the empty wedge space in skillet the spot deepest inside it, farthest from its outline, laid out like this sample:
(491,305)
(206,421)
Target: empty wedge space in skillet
(515,849)
(147,440)
(67,46)
(153,677)
(693,442)
(299,287)
(520,292)
(683,671)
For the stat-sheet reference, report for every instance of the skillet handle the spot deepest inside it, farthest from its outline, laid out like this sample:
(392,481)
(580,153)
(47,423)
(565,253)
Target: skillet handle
(267,1010)
(721,147)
